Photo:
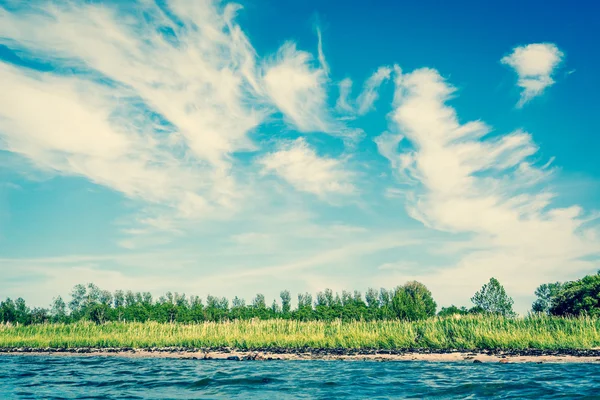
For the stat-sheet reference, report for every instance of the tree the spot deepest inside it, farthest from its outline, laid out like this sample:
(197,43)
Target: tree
(259,302)
(413,302)
(259,307)
(196,308)
(305,310)
(98,312)
(77,302)
(372,298)
(8,311)
(23,315)
(58,310)
(38,315)
(275,309)
(286,302)
(492,298)
(580,297)
(545,293)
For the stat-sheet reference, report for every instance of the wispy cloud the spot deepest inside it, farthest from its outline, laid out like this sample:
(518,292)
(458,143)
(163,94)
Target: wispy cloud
(298,164)
(486,187)
(534,64)
(171,106)
(370,93)
(298,89)
(320,52)
(343,101)
(152,107)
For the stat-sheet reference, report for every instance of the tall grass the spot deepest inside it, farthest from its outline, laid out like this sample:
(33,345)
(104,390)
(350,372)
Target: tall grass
(466,332)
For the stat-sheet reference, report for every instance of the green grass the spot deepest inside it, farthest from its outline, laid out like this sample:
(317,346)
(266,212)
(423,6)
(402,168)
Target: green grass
(470,332)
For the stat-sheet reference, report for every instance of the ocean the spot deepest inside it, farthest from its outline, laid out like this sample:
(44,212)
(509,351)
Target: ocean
(101,377)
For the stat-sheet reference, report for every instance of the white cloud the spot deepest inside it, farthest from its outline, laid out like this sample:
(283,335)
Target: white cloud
(160,110)
(298,89)
(534,64)
(182,100)
(298,164)
(370,93)
(322,60)
(76,125)
(342,104)
(486,187)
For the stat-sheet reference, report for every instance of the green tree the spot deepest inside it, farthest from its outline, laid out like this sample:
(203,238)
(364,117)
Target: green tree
(78,296)
(196,309)
(372,299)
(286,303)
(305,310)
(38,315)
(413,302)
(545,293)
(58,310)
(23,314)
(98,313)
(8,311)
(492,298)
(580,297)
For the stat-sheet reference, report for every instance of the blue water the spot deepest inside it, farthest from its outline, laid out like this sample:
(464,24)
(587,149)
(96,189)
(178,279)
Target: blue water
(38,377)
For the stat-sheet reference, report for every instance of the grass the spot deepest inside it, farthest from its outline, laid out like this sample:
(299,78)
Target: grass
(470,332)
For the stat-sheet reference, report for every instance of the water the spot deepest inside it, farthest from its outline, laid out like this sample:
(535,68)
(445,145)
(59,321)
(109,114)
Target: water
(35,377)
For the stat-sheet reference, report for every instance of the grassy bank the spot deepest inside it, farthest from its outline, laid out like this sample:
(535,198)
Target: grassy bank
(470,332)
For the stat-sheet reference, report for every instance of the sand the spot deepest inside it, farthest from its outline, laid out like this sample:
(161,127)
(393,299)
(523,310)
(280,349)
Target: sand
(239,355)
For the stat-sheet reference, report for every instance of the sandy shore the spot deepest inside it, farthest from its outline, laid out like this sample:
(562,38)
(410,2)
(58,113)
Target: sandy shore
(526,356)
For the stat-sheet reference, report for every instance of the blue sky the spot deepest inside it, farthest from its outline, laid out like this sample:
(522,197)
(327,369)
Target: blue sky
(210,148)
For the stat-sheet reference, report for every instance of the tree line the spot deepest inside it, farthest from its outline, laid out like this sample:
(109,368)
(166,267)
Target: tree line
(411,301)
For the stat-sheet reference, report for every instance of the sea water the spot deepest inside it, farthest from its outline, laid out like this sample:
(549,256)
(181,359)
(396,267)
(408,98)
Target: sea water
(98,377)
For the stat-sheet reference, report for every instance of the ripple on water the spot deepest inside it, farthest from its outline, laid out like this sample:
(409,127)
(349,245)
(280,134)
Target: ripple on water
(112,377)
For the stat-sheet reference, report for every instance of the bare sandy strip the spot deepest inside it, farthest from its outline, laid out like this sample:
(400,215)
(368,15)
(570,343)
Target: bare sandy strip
(236,355)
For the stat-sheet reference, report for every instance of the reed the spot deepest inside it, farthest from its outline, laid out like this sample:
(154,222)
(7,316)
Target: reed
(457,332)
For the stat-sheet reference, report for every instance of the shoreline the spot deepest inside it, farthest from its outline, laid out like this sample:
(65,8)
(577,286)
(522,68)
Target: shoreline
(227,354)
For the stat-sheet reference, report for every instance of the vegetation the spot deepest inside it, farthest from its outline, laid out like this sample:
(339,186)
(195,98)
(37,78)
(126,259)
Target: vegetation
(411,302)
(545,293)
(492,298)
(580,297)
(459,332)
(565,317)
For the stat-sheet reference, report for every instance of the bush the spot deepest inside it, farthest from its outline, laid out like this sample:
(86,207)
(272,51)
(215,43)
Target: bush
(578,297)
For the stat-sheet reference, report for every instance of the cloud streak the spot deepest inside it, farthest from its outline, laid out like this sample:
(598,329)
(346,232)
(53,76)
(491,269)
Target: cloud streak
(158,106)
(470,183)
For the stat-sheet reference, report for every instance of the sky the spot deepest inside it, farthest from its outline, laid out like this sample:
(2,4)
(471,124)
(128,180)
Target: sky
(240,148)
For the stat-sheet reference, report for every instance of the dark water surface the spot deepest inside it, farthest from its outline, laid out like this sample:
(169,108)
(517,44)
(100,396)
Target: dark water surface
(41,377)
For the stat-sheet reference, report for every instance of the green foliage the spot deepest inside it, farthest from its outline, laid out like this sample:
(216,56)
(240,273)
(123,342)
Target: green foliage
(58,310)
(286,301)
(492,298)
(452,310)
(90,303)
(545,293)
(413,302)
(580,297)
